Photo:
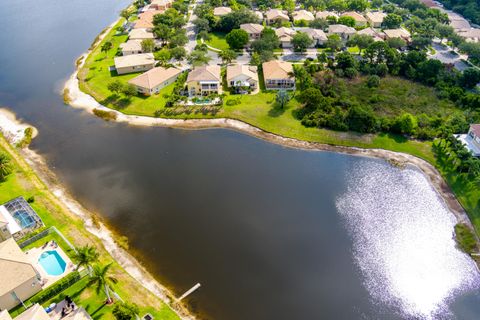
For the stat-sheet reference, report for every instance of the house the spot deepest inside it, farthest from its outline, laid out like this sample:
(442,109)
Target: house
(397,33)
(303,15)
(254,30)
(377,35)
(221,11)
(161,4)
(343,31)
(149,14)
(285,35)
(278,75)
(241,77)
(470,35)
(152,81)
(325,14)
(143,24)
(274,15)
(318,36)
(375,19)
(35,312)
(471,141)
(17,218)
(19,280)
(134,63)
(360,20)
(140,34)
(205,80)
(259,14)
(131,47)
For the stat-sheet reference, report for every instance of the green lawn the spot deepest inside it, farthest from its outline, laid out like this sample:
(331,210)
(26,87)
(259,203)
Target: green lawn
(23,181)
(353,50)
(51,236)
(218,41)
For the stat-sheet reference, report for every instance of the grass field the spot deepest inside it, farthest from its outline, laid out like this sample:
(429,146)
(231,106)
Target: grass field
(24,182)
(218,41)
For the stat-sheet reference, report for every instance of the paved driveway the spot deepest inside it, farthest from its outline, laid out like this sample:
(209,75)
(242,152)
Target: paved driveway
(446,55)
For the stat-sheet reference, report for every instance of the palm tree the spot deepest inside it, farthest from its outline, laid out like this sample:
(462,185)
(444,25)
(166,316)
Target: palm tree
(227,56)
(102,279)
(86,256)
(5,166)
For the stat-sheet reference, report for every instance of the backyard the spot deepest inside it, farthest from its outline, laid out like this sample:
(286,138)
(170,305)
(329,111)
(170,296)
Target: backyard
(217,40)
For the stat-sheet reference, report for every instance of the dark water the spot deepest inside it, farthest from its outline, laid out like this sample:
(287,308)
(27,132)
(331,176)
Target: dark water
(255,223)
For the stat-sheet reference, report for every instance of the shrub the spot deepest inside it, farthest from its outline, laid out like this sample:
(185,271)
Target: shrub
(125,311)
(373,81)
(105,115)
(56,288)
(465,238)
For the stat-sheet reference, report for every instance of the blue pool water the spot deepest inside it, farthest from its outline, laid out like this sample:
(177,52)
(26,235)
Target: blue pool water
(52,263)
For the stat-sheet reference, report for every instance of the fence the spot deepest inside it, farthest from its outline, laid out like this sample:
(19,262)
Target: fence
(43,234)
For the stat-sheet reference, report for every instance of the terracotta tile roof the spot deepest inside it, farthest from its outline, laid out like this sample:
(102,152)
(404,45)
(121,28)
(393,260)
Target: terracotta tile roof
(221,11)
(475,128)
(355,15)
(154,77)
(277,69)
(303,15)
(274,14)
(205,73)
(325,14)
(134,60)
(376,16)
(241,69)
(251,27)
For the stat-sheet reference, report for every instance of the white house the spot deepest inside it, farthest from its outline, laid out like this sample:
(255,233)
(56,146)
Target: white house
(242,76)
(471,141)
(134,63)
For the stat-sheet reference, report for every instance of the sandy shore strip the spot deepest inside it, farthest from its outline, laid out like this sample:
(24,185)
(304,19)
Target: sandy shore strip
(13,130)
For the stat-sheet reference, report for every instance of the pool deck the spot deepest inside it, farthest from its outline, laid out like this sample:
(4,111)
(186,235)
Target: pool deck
(47,280)
(78,313)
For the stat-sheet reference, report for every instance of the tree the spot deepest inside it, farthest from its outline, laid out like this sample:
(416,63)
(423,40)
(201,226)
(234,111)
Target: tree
(198,58)
(334,42)
(420,42)
(406,123)
(129,90)
(301,41)
(125,13)
(102,280)
(345,61)
(337,5)
(396,43)
(201,24)
(6,167)
(178,53)
(147,45)
(115,86)
(392,21)
(268,41)
(289,5)
(227,56)
(362,41)
(125,311)
(255,60)
(319,24)
(204,35)
(234,19)
(163,56)
(85,256)
(444,31)
(106,46)
(282,98)
(361,119)
(357,5)
(237,39)
(302,78)
(470,78)
(347,21)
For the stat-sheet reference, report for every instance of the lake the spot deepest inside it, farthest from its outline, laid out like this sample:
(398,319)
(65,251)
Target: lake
(269,232)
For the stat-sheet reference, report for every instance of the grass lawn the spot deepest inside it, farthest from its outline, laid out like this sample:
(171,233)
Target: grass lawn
(51,236)
(353,50)
(23,181)
(218,41)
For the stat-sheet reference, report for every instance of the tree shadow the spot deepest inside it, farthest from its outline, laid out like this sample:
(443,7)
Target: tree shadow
(395,137)
(276,110)
(116,101)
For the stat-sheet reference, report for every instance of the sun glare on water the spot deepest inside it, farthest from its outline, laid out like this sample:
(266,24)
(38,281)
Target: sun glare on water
(403,241)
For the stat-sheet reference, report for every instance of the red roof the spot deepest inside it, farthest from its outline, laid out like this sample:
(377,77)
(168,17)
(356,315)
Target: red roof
(475,128)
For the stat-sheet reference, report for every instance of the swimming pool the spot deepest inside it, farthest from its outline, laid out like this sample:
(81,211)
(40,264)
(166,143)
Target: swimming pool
(52,263)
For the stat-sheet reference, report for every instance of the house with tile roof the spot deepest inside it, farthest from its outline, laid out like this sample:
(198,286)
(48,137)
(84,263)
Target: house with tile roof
(242,78)
(254,30)
(204,80)
(221,11)
(278,75)
(375,18)
(134,63)
(152,81)
(274,15)
(360,21)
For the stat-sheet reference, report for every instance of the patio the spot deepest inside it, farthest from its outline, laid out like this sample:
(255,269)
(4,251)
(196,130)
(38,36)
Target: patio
(75,312)
(35,254)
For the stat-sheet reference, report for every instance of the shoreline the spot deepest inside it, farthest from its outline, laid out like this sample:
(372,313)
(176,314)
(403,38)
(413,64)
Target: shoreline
(81,100)
(94,226)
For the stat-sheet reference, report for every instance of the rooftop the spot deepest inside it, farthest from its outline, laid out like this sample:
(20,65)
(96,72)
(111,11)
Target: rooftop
(236,70)
(325,14)
(277,69)
(252,27)
(355,15)
(205,73)
(274,14)
(376,16)
(340,28)
(131,45)
(303,15)
(142,24)
(140,34)
(221,11)
(134,60)
(154,77)
(16,269)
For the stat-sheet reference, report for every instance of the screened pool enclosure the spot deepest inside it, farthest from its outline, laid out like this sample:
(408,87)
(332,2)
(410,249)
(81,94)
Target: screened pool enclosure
(19,216)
